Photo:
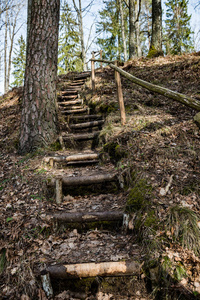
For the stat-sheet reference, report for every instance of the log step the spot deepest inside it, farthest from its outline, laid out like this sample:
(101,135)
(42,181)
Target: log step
(72,158)
(83,162)
(81,137)
(74,111)
(82,76)
(84,270)
(68,97)
(67,92)
(81,82)
(87,217)
(86,124)
(85,180)
(66,103)
(84,117)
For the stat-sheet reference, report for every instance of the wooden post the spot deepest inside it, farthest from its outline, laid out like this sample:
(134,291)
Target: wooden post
(59,194)
(101,65)
(93,72)
(120,96)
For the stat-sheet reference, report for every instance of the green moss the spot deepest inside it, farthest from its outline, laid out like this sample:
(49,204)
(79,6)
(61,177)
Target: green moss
(154,53)
(56,146)
(115,151)
(138,196)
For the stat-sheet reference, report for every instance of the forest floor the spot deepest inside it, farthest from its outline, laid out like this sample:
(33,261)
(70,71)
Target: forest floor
(157,153)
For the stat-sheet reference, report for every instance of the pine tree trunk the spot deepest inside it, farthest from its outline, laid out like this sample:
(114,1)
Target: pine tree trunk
(82,37)
(156,38)
(39,110)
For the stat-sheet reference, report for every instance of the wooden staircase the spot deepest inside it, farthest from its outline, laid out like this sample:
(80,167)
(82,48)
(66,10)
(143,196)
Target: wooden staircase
(88,177)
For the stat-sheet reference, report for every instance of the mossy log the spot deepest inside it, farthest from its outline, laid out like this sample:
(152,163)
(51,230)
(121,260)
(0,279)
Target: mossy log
(86,180)
(120,268)
(87,217)
(86,124)
(184,99)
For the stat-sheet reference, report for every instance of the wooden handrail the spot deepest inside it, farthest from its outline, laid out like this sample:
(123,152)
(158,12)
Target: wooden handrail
(102,60)
(188,101)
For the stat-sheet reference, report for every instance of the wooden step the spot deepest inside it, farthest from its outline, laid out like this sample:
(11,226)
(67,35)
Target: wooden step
(67,97)
(67,92)
(74,111)
(81,137)
(84,117)
(74,83)
(88,217)
(82,76)
(68,103)
(84,270)
(72,158)
(86,124)
(85,180)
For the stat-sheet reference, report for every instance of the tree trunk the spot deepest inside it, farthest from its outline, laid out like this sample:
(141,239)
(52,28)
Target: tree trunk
(123,30)
(80,23)
(131,29)
(137,28)
(156,38)
(39,109)
(5,53)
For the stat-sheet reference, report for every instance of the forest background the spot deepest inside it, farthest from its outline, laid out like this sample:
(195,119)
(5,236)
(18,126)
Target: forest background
(13,36)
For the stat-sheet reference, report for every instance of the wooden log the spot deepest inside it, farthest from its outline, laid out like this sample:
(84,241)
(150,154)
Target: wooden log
(87,124)
(82,162)
(82,76)
(74,157)
(59,194)
(67,92)
(86,180)
(46,284)
(93,72)
(77,83)
(81,137)
(82,217)
(120,96)
(67,97)
(74,111)
(83,117)
(120,268)
(66,103)
(184,99)
(102,60)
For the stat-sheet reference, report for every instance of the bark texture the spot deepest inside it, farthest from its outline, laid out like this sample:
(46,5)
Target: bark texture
(119,268)
(131,29)
(39,109)
(156,38)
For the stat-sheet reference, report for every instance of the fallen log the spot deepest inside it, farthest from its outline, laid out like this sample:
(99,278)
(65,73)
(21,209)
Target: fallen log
(81,217)
(184,99)
(86,180)
(81,137)
(87,124)
(120,268)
